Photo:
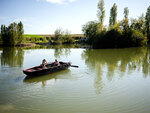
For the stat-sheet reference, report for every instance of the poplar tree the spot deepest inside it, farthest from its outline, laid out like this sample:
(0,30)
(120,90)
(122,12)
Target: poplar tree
(20,32)
(126,12)
(148,22)
(101,12)
(125,21)
(113,15)
(3,34)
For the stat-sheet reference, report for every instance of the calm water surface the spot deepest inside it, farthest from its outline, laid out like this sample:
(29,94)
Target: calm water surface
(107,81)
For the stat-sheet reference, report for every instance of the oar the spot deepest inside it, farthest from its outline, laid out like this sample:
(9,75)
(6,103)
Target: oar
(74,66)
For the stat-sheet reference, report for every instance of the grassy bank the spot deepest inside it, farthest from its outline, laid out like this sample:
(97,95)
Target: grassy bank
(33,38)
(30,38)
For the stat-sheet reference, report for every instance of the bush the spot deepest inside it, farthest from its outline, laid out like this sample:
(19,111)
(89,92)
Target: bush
(36,39)
(62,37)
(109,39)
(67,39)
(138,39)
(114,38)
(90,30)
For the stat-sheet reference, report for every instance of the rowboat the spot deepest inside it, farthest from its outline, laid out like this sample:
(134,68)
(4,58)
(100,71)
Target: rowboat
(47,69)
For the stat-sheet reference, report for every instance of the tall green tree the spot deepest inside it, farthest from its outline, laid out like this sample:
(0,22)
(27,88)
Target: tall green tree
(125,22)
(148,22)
(58,36)
(126,12)
(113,15)
(101,13)
(138,24)
(90,30)
(20,32)
(3,33)
(12,35)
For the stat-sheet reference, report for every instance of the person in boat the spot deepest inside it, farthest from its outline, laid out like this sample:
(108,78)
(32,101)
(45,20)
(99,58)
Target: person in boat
(56,63)
(44,62)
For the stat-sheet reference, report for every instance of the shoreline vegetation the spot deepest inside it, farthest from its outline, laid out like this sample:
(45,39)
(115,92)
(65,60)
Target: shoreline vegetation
(46,39)
(134,32)
(124,33)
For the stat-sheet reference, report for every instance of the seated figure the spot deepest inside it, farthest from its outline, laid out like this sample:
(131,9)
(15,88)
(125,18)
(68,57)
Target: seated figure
(56,63)
(44,62)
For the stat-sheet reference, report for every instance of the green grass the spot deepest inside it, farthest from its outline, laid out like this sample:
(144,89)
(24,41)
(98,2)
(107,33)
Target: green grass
(30,35)
(30,38)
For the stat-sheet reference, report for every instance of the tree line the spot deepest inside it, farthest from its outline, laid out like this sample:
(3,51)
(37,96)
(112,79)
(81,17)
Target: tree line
(13,34)
(124,33)
(63,37)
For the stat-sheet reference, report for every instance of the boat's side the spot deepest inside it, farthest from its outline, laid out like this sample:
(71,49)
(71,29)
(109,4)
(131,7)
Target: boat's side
(36,71)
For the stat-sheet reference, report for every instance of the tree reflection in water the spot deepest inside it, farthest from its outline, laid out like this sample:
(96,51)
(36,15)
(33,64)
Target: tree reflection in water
(12,56)
(117,61)
(61,52)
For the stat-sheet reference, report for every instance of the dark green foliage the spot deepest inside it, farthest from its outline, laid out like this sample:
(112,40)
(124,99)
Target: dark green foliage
(0,39)
(138,38)
(113,15)
(114,38)
(124,24)
(121,34)
(109,39)
(13,34)
(148,22)
(4,34)
(20,32)
(90,30)
(138,24)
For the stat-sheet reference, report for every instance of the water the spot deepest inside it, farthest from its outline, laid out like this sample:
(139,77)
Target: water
(107,81)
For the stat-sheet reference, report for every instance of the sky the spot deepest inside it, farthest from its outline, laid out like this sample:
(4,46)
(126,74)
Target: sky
(45,16)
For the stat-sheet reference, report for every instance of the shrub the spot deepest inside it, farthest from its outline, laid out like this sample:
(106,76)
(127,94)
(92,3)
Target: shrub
(109,39)
(138,39)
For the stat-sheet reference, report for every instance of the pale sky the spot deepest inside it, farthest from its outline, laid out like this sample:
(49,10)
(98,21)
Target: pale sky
(45,16)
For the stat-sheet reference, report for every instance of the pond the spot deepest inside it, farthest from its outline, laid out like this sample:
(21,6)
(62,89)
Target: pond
(107,81)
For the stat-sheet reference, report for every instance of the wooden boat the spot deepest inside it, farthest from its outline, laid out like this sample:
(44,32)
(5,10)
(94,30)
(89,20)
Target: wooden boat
(47,69)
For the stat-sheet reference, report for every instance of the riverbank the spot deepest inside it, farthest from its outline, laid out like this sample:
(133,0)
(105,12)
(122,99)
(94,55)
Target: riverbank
(22,45)
(26,44)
